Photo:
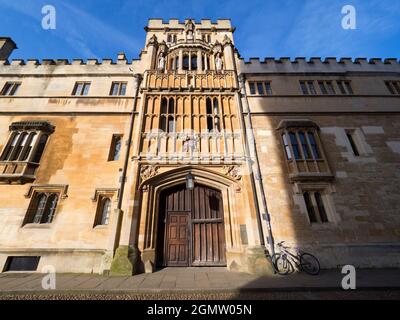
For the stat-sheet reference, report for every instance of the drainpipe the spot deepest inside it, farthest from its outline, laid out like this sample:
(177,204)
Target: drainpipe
(266,216)
(138,79)
(240,80)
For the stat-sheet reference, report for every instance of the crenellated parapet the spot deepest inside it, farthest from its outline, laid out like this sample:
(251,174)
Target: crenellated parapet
(160,24)
(319,65)
(66,66)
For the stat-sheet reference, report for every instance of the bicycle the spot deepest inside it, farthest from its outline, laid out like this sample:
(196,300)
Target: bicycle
(284,260)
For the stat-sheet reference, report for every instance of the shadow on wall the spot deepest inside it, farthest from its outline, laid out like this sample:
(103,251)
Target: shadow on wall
(58,147)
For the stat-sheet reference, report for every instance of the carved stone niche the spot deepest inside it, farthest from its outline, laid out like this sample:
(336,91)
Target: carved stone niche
(233,172)
(148,171)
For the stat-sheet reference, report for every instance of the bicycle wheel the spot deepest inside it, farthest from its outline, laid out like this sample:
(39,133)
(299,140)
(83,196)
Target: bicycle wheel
(309,264)
(282,264)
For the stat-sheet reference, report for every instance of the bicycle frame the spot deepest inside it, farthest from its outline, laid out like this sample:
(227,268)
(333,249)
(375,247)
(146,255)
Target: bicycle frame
(292,257)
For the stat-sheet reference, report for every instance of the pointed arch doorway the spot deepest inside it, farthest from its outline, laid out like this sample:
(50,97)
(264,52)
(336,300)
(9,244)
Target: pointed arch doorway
(191,227)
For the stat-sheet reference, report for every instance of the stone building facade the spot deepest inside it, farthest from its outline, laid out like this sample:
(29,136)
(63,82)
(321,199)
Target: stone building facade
(192,156)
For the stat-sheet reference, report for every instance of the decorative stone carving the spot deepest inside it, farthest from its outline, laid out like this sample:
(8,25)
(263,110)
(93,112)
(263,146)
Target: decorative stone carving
(147,172)
(233,172)
(190,143)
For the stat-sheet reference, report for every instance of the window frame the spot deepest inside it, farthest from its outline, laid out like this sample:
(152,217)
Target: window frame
(121,87)
(260,88)
(352,139)
(213,115)
(317,210)
(300,167)
(166,116)
(113,147)
(393,86)
(100,196)
(26,142)
(39,213)
(10,88)
(252,88)
(84,90)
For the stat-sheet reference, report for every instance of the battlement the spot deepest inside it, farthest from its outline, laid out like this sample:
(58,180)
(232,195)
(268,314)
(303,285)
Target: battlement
(121,60)
(160,24)
(65,66)
(317,64)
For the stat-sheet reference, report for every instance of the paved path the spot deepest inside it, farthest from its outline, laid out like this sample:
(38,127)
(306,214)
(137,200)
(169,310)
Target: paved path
(195,281)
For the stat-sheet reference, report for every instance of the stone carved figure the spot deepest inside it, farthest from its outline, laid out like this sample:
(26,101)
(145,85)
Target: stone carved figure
(189,29)
(190,144)
(218,63)
(161,63)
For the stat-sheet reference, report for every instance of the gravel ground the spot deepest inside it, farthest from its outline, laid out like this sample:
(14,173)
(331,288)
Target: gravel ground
(284,295)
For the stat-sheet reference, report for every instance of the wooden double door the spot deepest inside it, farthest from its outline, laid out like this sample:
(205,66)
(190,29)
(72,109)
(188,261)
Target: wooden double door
(191,228)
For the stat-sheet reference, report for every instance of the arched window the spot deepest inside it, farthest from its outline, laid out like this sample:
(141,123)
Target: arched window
(212,109)
(105,211)
(287,147)
(164,104)
(19,146)
(210,126)
(39,208)
(194,62)
(171,124)
(216,115)
(10,147)
(28,146)
(50,210)
(310,208)
(176,63)
(209,106)
(43,208)
(185,62)
(304,145)
(321,207)
(295,145)
(313,145)
(171,106)
(163,115)
(40,149)
(167,116)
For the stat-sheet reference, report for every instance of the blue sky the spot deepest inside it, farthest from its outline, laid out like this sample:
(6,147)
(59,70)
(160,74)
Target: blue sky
(265,28)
